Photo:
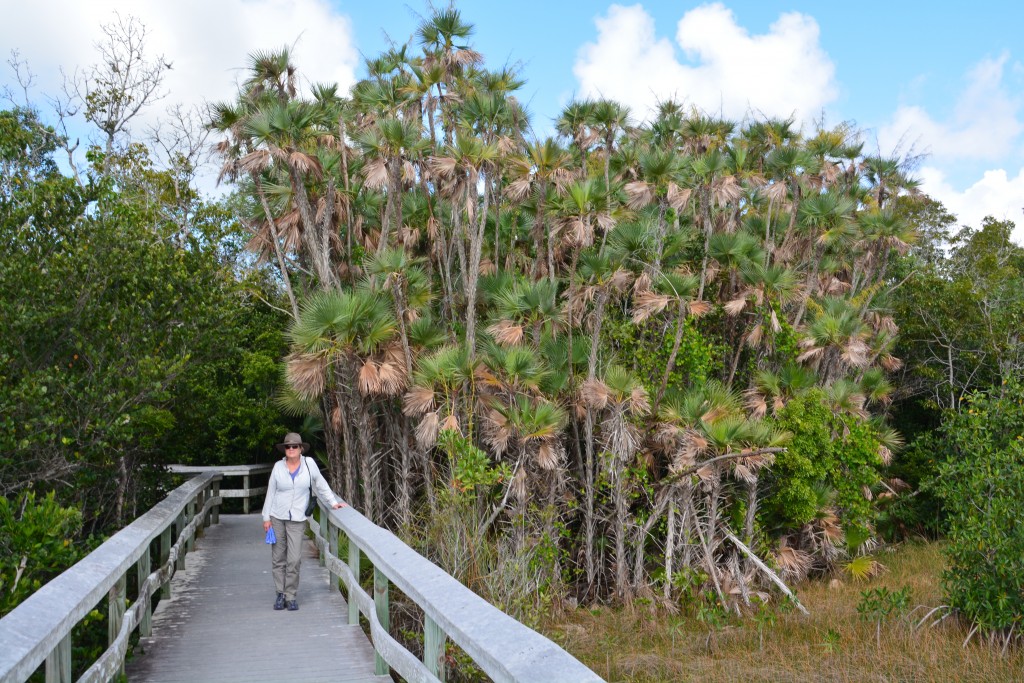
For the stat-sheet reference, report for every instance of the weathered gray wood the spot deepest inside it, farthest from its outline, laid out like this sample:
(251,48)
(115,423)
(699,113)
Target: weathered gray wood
(506,650)
(394,653)
(332,544)
(433,647)
(116,603)
(221,625)
(179,524)
(142,570)
(41,624)
(381,603)
(215,517)
(353,567)
(244,471)
(110,665)
(58,662)
(165,553)
(189,516)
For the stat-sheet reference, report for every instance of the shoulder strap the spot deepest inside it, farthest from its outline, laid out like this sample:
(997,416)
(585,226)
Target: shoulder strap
(311,494)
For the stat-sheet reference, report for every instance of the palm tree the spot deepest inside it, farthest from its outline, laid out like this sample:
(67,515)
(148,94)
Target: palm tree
(282,136)
(389,146)
(228,119)
(463,165)
(333,349)
(619,398)
(600,279)
(826,220)
(835,340)
(608,118)
(660,181)
(544,165)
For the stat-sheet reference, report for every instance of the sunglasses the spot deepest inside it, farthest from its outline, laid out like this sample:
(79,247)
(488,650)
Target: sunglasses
(288,448)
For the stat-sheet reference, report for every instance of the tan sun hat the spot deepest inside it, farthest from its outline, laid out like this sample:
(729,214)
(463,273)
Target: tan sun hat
(292,439)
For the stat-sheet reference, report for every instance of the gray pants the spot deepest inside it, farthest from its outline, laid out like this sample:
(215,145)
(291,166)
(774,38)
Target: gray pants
(287,555)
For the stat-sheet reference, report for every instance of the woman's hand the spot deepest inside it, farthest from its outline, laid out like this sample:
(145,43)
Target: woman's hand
(340,505)
(266,526)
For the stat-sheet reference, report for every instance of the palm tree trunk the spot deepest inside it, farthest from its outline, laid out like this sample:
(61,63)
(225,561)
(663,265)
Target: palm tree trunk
(314,246)
(589,519)
(671,363)
(348,192)
(708,229)
(281,265)
(472,274)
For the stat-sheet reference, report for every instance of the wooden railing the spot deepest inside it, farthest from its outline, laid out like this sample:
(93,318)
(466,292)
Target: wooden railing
(39,629)
(503,648)
(228,471)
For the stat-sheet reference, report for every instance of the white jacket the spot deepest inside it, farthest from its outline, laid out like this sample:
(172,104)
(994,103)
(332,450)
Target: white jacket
(286,499)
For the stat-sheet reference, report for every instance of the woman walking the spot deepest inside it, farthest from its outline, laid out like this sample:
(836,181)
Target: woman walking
(285,510)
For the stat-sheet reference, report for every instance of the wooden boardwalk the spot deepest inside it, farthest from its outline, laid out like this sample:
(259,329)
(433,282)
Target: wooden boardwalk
(220,626)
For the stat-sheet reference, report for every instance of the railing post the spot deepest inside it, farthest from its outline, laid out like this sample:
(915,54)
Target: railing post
(433,647)
(332,546)
(380,603)
(198,510)
(216,508)
(190,540)
(353,565)
(143,569)
(325,522)
(58,662)
(165,554)
(245,498)
(179,524)
(115,614)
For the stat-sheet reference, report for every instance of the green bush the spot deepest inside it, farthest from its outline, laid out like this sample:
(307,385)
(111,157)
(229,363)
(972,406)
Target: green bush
(37,542)
(982,489)
(829,451)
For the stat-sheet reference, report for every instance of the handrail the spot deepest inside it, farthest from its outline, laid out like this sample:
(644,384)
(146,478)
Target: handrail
(503,648)
(40,627)
(243,471)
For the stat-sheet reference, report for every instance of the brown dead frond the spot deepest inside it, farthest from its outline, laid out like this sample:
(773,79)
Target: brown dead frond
(755,403)
(418,400)
(376,173)
(451,422)
(306,374)
(698,308)
(794,564)
(735,306)
(595,394)
(639,194)
(393,378)
(369,379)
(506,333)
(497,434)
(678,197)
(426,431)
(549,455)
(647,304)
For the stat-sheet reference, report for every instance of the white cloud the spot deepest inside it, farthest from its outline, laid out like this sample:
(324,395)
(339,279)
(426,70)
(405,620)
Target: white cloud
(995,194)
(207,42)
(727,69)
(984,125)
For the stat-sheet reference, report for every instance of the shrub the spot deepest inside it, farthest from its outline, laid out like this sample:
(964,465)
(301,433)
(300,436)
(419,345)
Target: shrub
(982,489)
(37,542)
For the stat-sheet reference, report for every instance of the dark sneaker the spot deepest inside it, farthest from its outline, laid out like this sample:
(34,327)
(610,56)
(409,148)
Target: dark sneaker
(279,603)
(292,605)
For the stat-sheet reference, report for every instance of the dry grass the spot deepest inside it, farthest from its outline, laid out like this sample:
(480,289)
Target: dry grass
(644,645)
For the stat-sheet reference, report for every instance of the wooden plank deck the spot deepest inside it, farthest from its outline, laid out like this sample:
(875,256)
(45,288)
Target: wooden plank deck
(220,627)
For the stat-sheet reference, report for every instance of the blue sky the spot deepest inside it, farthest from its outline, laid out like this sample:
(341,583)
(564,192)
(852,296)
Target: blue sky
(941,78)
